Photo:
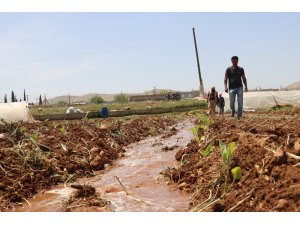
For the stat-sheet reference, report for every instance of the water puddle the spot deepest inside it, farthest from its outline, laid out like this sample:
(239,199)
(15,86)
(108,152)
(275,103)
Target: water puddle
(138,172)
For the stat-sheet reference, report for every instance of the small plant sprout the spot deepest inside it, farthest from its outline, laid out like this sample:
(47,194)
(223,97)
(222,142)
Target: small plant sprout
(204,122)
(204,125)
(209,149)
(55,125)
(35,136)
(22,130)
(63,130)
(195,133)
(236,173)
(97,123)
(227,155)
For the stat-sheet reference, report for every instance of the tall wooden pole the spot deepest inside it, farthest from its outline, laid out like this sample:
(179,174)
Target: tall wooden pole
(69,98)
(202,95)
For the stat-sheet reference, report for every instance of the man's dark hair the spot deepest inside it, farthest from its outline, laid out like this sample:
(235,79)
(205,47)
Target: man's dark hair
(234,58)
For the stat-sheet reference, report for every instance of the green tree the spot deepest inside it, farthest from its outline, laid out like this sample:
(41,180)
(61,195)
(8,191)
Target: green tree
(121,98)
(5,98)
(13,96)
(40,100)
(97,100)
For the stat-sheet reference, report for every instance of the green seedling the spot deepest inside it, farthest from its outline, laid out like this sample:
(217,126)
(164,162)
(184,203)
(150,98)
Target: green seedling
(195,133)
(204,122)
(209,149)
(63,130)
(97,123)
(236,173)
(55,125)
(227,155)
(35,136)
(204,125)
(22,130)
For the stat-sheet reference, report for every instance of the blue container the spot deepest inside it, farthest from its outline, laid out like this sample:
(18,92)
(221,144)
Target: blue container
(104,112)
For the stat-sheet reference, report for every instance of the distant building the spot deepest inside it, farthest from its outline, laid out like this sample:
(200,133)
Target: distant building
(79,103)
(138,98)
(161,97)
(189,94)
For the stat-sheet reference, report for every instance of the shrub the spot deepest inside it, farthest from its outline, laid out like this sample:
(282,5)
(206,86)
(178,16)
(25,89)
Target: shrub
(61,104)
(121,98)
(97,100)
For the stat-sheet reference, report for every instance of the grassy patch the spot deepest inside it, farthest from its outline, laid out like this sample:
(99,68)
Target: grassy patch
(121,106)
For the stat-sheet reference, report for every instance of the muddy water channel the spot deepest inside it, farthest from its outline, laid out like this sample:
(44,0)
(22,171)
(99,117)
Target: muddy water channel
(138,172)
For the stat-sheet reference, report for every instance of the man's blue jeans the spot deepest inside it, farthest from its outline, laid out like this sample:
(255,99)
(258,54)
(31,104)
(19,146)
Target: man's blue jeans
(232,94)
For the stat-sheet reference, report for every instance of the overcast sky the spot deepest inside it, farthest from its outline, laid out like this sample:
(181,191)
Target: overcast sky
(80,53)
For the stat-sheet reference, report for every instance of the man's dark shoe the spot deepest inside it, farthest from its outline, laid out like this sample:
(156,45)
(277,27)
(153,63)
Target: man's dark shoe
(232,114)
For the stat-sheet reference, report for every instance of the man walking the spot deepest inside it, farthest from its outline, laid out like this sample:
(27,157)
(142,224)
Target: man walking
(234,75)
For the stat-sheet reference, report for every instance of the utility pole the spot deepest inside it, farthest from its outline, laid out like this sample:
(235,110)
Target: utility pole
(69,99)
(202,95)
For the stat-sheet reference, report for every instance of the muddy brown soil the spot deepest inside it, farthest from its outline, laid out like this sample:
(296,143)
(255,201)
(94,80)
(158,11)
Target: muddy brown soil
(267,148)
(36,156)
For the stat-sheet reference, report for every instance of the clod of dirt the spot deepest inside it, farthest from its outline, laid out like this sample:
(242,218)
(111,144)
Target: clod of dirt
(279,157)
(85,199)
(183,186)
(95,150)
(112,189)
(97,202)
(121,154)
(218,207)
(254,131)
(179,154)
(297,145)
(2,186)
(166,148)
(172,132)
(98,163)
(282,203)
(83,190)
(191,147)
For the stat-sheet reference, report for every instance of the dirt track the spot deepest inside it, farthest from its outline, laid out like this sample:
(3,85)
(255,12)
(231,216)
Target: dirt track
(270,181)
